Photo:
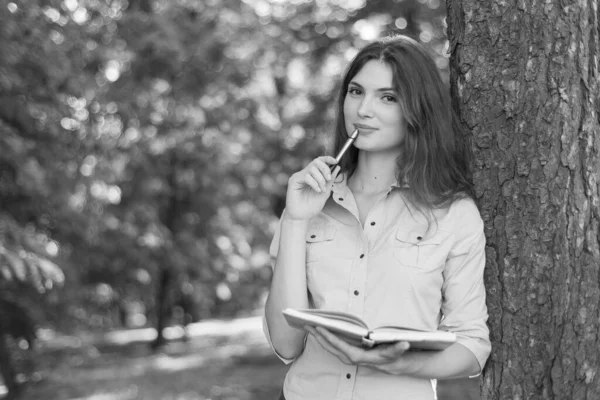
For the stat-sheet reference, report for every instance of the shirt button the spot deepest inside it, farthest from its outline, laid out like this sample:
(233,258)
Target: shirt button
(348,376)
(356,292)
(372,223)
(313,236)
(419,238)
(340,198)
(362,255)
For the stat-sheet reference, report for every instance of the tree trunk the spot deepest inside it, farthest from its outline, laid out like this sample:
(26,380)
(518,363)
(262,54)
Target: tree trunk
(6,368)
(524,76)
(166,275)
(163,306)
(142,5)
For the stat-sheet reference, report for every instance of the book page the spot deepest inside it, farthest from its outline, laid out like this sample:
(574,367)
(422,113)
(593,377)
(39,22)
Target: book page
(337,315)
(346,328)
(436,340)
(398,327)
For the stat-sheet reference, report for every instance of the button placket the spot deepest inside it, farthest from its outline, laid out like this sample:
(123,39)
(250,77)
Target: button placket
(356,286)
(347,379)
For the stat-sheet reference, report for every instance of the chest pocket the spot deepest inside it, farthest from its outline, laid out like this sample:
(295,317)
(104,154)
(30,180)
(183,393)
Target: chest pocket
(413,249)
(319,242)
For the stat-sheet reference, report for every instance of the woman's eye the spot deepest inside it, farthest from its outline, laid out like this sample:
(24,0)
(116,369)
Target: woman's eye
(354,91)
(389,99)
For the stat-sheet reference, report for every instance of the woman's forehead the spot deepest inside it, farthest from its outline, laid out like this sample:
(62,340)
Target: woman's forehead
(376,75)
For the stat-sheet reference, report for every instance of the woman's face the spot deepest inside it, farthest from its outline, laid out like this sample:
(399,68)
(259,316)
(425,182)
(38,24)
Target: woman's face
(373,106)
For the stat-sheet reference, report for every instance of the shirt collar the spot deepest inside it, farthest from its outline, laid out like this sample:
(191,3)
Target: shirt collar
(340,186)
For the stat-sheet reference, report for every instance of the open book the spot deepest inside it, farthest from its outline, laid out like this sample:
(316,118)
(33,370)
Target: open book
(355,331)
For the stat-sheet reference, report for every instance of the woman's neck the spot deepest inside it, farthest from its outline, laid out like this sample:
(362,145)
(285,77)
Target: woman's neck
(374,173)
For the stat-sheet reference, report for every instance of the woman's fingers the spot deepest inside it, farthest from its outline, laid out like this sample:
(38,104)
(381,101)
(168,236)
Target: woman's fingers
(377,357)
(335,172)
(311,181)
(382,357)
(320,171)
(327,160)
(393,351)
(318,176)
(351,353)
(324,168)
(334,175)
(327,346)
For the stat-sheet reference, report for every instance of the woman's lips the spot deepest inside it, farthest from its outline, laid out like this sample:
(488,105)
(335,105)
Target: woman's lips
(364,128)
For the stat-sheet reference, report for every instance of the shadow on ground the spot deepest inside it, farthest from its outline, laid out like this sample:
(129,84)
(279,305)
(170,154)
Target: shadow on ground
(230,366)
(220,360)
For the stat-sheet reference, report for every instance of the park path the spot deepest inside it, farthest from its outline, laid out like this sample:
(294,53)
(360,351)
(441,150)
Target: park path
(220,360)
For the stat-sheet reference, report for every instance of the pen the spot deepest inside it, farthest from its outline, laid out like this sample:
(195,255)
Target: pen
(344,148)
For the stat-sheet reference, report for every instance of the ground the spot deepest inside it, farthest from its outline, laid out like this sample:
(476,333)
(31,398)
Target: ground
(220,361)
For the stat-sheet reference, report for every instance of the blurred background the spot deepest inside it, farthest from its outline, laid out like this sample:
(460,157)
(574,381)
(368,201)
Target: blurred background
(145,146)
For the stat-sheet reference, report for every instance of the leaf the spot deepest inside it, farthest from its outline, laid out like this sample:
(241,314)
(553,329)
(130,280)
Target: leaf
(31,269)
(21,259)
(32,177)
(15,264)
(51,271)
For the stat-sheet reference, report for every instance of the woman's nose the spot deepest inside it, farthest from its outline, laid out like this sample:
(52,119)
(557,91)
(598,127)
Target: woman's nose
(365,109)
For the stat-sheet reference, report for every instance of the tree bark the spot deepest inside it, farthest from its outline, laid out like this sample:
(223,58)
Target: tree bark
(524,76)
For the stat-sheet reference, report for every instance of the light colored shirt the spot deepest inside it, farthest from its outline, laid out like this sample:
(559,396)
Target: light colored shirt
(399,269)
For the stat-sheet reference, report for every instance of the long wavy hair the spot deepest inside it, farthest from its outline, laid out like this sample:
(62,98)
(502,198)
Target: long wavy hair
(434,161)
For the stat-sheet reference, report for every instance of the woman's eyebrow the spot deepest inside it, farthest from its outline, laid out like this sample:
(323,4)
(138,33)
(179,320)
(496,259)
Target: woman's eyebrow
(384,89)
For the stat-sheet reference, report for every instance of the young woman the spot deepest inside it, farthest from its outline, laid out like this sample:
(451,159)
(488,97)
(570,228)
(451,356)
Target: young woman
(391,235)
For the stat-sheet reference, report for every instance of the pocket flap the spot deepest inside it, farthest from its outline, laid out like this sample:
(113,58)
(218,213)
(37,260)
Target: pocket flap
(320,234)
(416,238)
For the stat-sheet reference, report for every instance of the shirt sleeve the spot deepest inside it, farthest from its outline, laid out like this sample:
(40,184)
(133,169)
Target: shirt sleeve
(463,305)
(273,250)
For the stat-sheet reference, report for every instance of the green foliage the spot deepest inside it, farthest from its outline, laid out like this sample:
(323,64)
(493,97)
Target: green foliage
(147,136)
(21,259)
(141,138)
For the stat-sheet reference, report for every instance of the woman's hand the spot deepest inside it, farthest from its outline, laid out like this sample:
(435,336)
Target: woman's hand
(389,358)
(309,189)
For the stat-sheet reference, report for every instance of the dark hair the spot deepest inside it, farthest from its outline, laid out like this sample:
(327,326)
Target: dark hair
(434,162)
